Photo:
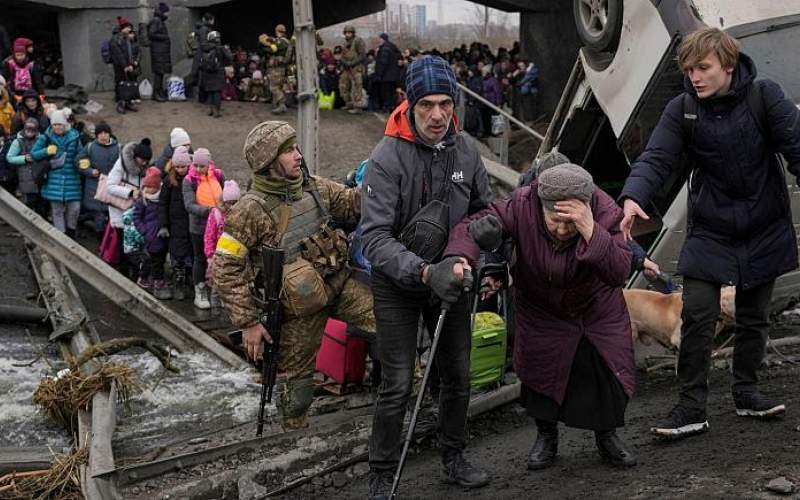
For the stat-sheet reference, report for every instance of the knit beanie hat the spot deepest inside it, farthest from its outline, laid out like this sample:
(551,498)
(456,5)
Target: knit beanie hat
(152,178)
(202,157)
(142,150)
(162,8)
(384,37)
(20,45)
(179,137)
(58,117)
(429,75)
(231,191)
(123,23)
(102,127)
(564,182)
(32,123)
(181,157)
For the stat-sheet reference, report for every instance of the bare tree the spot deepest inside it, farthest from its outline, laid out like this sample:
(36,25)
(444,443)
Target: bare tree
(480,21)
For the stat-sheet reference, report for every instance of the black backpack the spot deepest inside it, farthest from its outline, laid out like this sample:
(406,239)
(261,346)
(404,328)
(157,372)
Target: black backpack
(210,62)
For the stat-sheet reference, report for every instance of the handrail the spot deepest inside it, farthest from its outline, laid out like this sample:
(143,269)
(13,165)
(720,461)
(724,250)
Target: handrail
(502,112)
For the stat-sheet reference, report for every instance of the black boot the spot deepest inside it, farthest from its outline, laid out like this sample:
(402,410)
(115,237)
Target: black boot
(70,232)
(130,107)
(211,110)
(121,107)
(218,111)
(613,450)
(456,470)
(380,485)
(179,283)
(545,449)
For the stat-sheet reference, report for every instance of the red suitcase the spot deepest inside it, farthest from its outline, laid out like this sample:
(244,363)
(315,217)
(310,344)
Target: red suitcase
(341,357)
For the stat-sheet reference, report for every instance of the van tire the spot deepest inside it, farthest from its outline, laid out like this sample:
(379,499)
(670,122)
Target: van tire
(596,34)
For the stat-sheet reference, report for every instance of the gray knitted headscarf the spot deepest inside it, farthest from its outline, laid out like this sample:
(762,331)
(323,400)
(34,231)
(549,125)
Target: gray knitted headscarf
(564,182)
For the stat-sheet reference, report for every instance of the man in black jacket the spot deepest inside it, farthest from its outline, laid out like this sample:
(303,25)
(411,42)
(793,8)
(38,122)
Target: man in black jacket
(201,32)
(739,225)
(160,47)
(125,58)
(387,72)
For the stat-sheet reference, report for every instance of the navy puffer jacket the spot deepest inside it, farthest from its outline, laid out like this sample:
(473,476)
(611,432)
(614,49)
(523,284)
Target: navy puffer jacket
(739,224)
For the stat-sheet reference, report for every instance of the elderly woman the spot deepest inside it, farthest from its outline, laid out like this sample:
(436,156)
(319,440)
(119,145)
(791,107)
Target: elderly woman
(573,350)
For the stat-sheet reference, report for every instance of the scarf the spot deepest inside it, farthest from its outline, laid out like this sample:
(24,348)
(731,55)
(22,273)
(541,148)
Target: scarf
(291,189)
(151,197)
(208,190)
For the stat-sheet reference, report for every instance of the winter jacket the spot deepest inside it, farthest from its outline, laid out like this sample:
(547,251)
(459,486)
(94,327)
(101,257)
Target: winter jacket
(173,216)
(395,177)
(145,218)
(6,112)
(386,68)
(25,171)
(63,181)
(529,83)
(160,45)
(96,156)
(562,295)
(124,51)
(216,222)
(198,214)
(213,81)
(492,91)
(9,72)
(739,225)
(125,176)
(166,156)
(201,31)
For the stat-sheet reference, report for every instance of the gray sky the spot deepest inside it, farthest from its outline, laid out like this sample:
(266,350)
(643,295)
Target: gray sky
(456,11)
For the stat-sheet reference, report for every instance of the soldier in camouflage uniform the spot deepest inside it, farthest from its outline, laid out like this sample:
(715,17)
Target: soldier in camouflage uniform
(351,81)
(288,210)
(275,52)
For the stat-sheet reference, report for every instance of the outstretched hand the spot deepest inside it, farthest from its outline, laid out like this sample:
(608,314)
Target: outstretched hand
(630,210)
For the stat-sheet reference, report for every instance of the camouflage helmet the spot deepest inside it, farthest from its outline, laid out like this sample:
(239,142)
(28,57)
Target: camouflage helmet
(350,28)
(280,29)
(263,142)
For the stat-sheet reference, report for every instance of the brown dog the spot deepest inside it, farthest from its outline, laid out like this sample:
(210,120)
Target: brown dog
(657,316)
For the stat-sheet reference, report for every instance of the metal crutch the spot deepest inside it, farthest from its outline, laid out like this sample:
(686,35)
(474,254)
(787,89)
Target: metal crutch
(421,394)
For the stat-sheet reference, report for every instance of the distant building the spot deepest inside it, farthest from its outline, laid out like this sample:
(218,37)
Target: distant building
(419,17)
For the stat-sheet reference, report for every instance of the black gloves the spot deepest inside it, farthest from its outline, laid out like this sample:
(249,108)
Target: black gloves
(443,281)
(487,233)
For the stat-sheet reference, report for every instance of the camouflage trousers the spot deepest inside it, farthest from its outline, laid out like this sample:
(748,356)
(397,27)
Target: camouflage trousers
(351,81)
(277,84)
(301,338)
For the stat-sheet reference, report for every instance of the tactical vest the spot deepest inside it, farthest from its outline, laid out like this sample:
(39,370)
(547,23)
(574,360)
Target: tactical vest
(304,221)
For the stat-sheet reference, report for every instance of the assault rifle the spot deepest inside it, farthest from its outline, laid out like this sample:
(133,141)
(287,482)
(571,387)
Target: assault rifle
(271,318)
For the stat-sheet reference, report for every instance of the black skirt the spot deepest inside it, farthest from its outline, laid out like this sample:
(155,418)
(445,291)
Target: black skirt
(595,400)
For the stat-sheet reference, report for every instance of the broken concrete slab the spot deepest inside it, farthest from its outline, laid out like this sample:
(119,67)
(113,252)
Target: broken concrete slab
(781,485)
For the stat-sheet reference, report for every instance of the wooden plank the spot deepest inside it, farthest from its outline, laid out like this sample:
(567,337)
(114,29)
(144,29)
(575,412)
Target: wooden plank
(24,459)
(168,324)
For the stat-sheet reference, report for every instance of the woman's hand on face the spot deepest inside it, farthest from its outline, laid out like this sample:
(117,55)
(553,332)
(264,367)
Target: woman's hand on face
(580,213)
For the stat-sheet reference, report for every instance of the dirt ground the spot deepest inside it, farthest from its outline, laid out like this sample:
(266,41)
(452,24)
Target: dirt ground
(344,139)
(735,459)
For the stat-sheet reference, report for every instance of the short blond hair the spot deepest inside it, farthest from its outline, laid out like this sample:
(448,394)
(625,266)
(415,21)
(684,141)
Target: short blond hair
(697,45)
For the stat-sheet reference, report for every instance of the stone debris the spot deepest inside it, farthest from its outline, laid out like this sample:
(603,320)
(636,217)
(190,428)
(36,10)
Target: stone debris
(781,485)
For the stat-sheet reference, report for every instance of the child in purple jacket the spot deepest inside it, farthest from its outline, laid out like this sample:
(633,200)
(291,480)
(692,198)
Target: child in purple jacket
(145,218)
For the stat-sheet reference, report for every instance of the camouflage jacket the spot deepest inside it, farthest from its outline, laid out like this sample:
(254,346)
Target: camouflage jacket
(247,229)
(276,51)
(354,53)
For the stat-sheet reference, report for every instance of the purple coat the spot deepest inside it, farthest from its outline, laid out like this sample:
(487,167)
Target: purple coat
(562,295)
(145,218)
(492,91)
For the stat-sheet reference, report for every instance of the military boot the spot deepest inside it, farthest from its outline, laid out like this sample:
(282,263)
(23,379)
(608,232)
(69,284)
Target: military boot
(279,110)
(296,398)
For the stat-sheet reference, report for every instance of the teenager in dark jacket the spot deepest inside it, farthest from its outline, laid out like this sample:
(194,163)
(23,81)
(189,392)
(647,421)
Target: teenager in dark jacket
(739,225)
(95,159)
(201,31)
(212,73)
(29,171)
(174,220)
(30,107)
(146,220)
(125,59)
(160,50)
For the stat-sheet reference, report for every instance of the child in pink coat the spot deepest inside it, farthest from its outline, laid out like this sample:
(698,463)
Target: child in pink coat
(216,223)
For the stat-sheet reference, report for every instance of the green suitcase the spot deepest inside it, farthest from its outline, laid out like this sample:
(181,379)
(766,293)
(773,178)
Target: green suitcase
(489,343)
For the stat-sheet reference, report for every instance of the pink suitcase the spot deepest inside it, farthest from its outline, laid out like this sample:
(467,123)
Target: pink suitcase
(341,357)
